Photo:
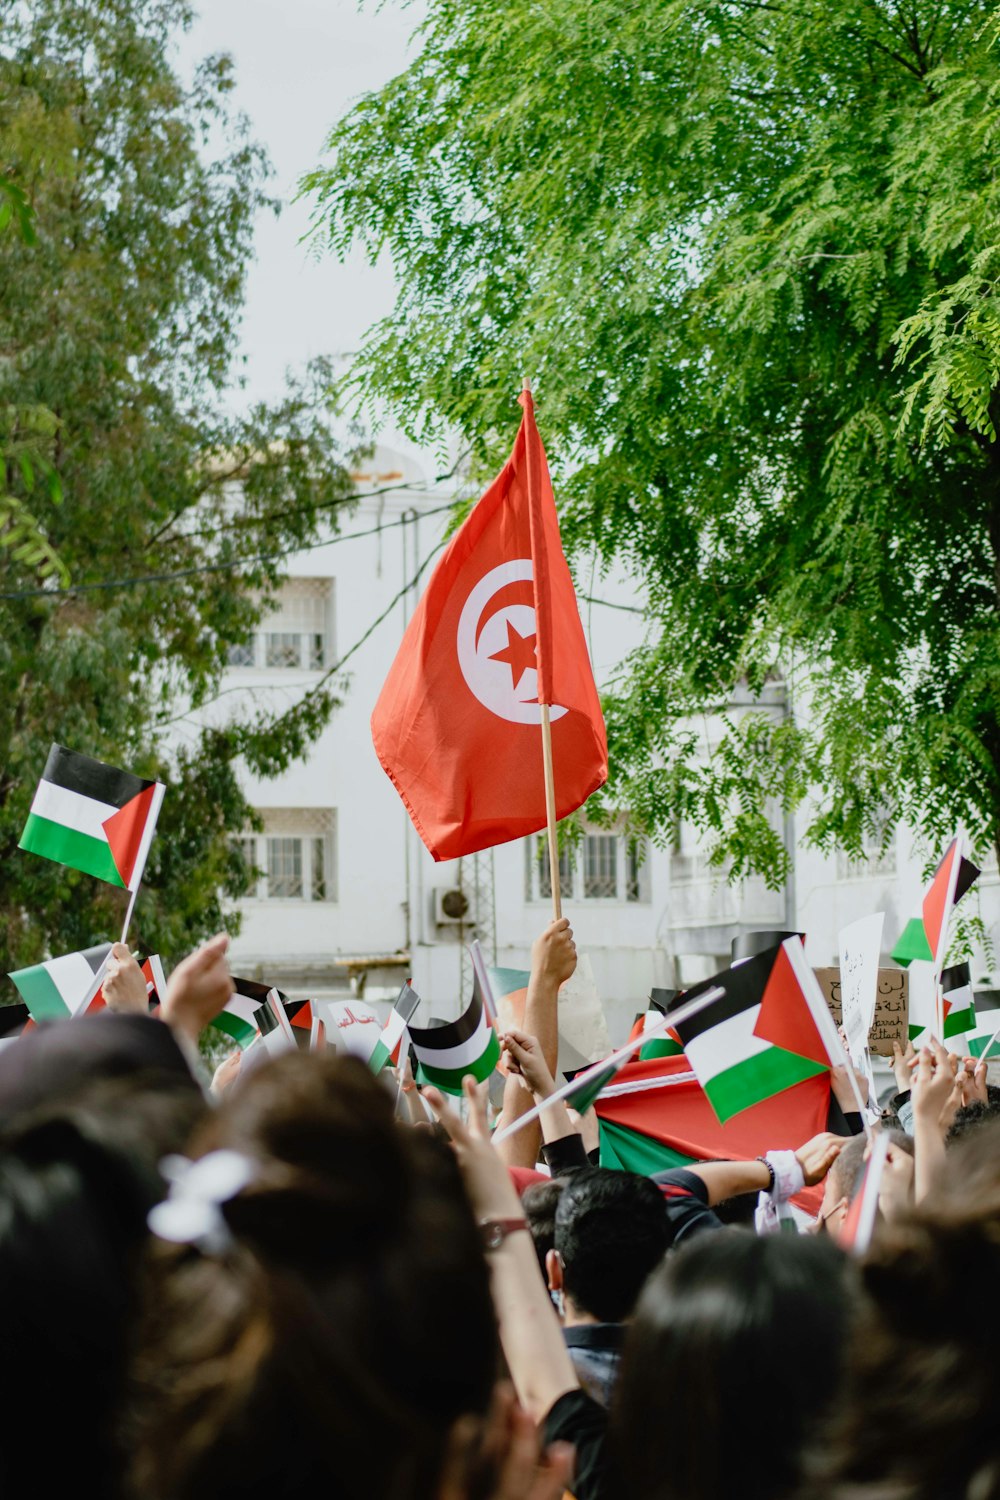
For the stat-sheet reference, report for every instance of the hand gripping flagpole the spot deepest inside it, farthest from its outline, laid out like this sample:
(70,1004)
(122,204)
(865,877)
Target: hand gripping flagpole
(547,767)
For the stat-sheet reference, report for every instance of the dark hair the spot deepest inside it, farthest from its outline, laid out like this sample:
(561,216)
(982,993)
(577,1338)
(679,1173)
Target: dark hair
(922,1407)
(72,1223)
(336,1343)
(611,1230)
(971,1117)
(539,1203)
(733,1357)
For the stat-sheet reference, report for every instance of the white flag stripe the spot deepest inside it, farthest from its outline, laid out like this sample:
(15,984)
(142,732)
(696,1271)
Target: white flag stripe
(723,1046)
(456,1057)
(392,1031)
(239,1005)
(72,809)
(73,977)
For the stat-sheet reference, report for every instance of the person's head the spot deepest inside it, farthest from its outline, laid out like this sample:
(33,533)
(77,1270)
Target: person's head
(840,1184)
(73,1206)
(611,1231)
(341,1325)
(922,1405)
(972,1117)
(539,1203)
(732,1359)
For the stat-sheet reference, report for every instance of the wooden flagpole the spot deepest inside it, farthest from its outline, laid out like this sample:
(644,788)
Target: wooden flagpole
(547,768)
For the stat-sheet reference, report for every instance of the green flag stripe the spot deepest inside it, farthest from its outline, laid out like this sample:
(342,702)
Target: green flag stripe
(241,1031)
(627,1150)
(912,944)
(41,994)
(67,846)
(757,1078)
(450,1079)
(663,1046)
(380,1056)
(957,1021)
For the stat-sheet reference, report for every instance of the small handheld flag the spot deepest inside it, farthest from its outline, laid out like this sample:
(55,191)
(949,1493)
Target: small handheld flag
(238,1018)
(388,1045)
(447,1054)
(859,1225)
(93,817)
(925,937)
(64,986)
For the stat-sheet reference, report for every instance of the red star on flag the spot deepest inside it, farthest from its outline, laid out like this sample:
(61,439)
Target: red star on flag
(519,654)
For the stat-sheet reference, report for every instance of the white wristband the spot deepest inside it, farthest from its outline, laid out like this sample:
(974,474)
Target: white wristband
(788,1176)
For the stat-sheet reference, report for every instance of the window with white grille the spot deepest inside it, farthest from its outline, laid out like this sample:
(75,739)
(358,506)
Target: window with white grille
(297,635)
(604,866)
(295,854)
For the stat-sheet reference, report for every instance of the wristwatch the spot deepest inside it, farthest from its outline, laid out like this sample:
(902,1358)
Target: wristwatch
(495,1231)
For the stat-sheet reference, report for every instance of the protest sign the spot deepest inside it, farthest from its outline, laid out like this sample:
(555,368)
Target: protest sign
(891,1007)
(860,945)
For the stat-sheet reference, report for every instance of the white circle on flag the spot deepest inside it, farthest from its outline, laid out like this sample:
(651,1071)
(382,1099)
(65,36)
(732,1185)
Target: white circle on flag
(508,688)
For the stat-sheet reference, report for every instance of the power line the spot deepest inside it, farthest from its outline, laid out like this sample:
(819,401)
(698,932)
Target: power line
(219,567)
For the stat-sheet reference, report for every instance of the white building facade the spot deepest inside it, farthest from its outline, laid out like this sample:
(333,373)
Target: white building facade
(350,901)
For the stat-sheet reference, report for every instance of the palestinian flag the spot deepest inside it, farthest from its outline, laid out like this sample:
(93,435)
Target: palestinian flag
(760,1037)
(859,1223)
(301,1013)
(926,936)
(987,1023)
(276,1034)
(656,1115)
(93,818)
(62,987)
(446,1054)
(959,1006)
(238,1018)
(392,1033)
(666,1044)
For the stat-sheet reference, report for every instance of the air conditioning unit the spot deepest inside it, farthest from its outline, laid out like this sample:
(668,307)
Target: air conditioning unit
(451,908)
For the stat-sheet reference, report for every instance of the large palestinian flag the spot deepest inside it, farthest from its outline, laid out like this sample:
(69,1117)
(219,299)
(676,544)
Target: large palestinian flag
(656,1115)
(93,818)
(447,1054)
(64,986)
(761,1037)
(926,936)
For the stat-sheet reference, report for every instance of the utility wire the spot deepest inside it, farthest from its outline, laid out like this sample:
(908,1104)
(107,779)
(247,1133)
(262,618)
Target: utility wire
(218,567)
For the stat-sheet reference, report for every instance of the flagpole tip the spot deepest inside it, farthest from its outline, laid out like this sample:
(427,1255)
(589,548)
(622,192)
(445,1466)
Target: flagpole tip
(526,385)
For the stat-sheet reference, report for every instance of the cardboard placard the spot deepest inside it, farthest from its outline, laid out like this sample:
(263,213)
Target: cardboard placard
(891,1023)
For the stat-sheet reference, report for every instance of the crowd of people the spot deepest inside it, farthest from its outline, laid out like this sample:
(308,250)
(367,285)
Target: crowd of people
(300,1279)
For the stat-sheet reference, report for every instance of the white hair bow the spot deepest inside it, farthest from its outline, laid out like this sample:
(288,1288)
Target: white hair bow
(191,1214)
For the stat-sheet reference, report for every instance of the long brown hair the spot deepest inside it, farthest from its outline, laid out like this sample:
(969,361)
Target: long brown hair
(331,1348)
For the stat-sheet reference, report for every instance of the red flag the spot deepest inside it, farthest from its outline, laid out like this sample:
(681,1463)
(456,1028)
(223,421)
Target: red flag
(497,632)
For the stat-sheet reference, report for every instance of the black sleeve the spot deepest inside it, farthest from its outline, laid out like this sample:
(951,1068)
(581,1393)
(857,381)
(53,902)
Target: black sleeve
(594,1157)
(686,1199)
(576,1418)
(565,1155)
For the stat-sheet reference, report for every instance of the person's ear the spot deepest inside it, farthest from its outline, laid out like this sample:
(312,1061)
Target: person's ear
(554,1270)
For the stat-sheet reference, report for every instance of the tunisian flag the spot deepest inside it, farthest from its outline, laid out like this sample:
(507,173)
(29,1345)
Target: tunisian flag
(497,633)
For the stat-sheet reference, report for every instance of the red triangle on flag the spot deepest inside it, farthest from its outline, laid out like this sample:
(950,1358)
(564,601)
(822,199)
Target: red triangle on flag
(936,904)
(785,1019)
(125,828)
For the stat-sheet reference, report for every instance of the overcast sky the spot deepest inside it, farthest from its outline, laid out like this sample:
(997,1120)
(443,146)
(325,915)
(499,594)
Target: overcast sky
(299,66)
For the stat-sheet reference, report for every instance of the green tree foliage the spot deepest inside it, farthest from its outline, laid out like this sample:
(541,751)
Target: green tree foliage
(120,321)
(750,254)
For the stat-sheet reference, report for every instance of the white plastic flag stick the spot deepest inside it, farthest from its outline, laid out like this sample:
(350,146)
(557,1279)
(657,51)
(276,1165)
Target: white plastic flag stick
(984,1055)
(140,861)
(485,988)
(825,1025)
(682,1013)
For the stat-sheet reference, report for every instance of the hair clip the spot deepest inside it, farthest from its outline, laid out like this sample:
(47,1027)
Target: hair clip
(191,1214)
